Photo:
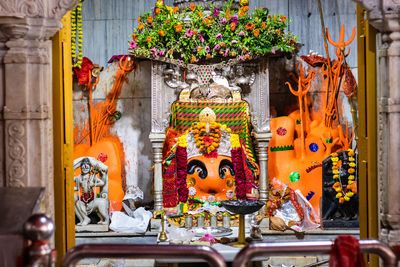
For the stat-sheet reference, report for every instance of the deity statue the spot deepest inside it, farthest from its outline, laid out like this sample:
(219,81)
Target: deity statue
(92,193)
(208,164)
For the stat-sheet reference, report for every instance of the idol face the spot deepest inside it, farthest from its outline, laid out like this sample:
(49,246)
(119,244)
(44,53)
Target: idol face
(211,179)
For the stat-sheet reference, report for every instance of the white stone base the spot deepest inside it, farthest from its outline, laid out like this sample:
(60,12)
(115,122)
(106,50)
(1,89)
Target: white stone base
(91,228)
(155,224)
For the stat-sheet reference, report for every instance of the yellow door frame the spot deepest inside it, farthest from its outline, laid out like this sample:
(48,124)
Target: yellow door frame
(367,130)
(63,140)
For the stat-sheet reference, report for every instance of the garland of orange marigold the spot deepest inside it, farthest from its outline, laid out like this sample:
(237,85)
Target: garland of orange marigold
(207,140)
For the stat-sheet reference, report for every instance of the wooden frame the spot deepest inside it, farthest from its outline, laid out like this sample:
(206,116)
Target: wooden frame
(63,140)
(367,130)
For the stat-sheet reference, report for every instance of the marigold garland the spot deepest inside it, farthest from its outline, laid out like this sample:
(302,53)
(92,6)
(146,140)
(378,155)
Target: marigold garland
(77,35)
(182,140)
(207,137)
(344,194)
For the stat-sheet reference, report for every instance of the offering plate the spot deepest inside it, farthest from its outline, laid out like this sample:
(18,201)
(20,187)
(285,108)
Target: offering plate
(214,231)
(242,207)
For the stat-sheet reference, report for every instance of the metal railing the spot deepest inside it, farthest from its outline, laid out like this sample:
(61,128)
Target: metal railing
(206,253)
(310,248)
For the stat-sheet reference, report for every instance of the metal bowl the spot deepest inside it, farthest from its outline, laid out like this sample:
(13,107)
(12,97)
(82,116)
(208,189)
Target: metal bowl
(214,231)
(242,206)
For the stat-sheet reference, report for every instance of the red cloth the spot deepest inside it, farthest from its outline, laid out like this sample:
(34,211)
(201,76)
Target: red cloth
(83,73)
(345,252)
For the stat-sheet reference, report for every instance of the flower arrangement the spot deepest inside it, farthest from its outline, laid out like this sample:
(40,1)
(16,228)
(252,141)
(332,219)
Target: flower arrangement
(195,34)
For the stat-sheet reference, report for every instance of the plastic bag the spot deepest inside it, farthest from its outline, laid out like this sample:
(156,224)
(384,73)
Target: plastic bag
(311,219)
(120,222)
(133,194)
(287,211)
(181,234)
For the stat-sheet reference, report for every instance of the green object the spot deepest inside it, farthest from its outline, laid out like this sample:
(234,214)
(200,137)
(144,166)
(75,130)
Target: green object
(298,121)
(281,148)
(328,140)
(115,116)
(294,177)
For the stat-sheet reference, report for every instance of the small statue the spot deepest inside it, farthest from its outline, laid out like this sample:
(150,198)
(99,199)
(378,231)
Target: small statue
(94,174)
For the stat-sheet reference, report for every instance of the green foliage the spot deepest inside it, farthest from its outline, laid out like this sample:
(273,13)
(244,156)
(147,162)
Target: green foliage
(195,34)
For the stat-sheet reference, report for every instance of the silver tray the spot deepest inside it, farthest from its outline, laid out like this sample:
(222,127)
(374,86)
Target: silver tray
(214,231)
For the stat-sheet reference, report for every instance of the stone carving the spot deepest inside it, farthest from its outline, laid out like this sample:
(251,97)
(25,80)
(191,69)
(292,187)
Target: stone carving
(36,8)
(94,175)
(63,7)
(209,81)
(29,8)
(260,99)
(16,152)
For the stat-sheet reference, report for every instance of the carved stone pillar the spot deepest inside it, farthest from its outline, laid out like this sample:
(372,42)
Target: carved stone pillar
(161,100)
(385,15)
(3,50)
(157,140)
(262,142)
(393,216)
(383,95)
(26,91)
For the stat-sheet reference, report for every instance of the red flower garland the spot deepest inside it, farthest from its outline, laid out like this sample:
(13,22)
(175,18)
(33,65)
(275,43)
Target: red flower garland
(240,177)
(181,173)
(169,185)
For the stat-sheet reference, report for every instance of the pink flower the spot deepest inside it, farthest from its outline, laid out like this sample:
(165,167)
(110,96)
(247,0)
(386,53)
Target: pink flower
(234,42)
(154,52)
(162,53)
(223,20)
(207,48)
(132,44)
(189,33)
(273,51)
(217,47)
(218,36)
(216,12)
(201,38)
(241,33)
(241,58)
(227,52)
(234,20)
